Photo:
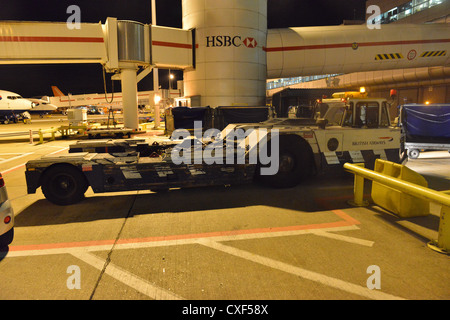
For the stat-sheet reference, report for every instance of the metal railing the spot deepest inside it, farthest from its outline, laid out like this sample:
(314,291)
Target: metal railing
(41,133)
(442,244)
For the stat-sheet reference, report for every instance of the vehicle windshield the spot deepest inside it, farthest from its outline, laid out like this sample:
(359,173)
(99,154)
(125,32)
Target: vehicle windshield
(334,115)
(332,111)
(366,115)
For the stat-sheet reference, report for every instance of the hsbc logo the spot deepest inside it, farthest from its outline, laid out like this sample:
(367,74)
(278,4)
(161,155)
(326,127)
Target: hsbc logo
(228,41)
(250,42)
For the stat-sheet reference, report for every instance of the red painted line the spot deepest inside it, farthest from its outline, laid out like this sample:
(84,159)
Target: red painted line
(310,47)
(343,223)
(349,45)
(402,42)
(347,221)
(50,39)
(115,96)
(13,168)
(346,217)
(108,98)
(173,44)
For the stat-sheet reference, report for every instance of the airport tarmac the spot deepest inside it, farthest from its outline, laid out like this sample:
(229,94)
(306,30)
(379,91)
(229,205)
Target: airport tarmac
(243,242)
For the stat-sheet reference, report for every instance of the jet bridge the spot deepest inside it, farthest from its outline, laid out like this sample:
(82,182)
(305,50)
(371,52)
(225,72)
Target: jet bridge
(128,48)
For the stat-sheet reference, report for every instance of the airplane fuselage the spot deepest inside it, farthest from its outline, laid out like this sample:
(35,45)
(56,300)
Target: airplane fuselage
(12,104)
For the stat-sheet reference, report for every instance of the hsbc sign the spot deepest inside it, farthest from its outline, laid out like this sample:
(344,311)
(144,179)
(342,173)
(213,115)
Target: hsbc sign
(250,42)
(228,41)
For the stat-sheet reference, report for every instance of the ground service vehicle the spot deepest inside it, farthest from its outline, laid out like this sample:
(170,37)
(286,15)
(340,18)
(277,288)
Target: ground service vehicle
(354,130)
(425,127)
(6,217)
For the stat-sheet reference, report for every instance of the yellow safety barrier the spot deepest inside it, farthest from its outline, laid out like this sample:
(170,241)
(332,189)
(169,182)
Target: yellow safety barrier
(65,131)
(68,130)
(52,131)
(146,125)
(442,244)
(358,190)
(402,204)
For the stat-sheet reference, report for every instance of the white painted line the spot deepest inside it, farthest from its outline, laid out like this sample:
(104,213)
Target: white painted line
(149,244)
(131,280)
(248,236)
(13,168)
(9,153)
(303,273)
(51,251)
(264,235)
(16,157)
(361,242)
(60,150)
(23,164)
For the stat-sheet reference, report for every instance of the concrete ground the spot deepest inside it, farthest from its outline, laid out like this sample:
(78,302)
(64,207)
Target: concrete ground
(220,243)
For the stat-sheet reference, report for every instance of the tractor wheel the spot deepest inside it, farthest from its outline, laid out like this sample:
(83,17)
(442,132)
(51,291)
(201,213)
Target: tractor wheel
(64,185)
(294,164)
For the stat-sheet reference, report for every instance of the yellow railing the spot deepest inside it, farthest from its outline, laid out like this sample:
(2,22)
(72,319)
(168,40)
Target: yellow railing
(41,132)
(443,242)
(64,130)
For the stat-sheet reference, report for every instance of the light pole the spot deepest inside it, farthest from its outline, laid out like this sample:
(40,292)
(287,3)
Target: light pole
(155,73)
(171,77)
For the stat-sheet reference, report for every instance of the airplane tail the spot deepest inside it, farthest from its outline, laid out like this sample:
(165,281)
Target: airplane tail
(57,92)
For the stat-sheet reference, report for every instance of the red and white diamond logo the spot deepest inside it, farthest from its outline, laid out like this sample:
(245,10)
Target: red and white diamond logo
(250,42)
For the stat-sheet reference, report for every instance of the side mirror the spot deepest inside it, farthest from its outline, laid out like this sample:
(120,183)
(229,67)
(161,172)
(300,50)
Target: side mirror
(317,115)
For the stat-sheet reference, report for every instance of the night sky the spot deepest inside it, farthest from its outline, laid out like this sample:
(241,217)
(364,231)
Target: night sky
(36,80)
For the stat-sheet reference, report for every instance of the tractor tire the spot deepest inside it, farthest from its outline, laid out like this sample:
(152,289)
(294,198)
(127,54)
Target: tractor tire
(295,164)
(64,185)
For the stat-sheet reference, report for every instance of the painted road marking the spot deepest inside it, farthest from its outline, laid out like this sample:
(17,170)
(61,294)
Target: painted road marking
(19,155)
(326,234)
(131,280)
(303,273)
(23,164)
(81,250)
(145,287)
(346,221)
(121,244)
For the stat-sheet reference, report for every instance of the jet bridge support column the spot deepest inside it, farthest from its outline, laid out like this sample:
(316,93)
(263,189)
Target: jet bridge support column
(133,47)
(129,97)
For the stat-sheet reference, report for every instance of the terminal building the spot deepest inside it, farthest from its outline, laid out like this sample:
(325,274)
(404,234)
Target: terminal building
(412,85)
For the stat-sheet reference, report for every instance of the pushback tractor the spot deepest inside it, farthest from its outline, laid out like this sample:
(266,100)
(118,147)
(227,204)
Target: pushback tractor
(279,152)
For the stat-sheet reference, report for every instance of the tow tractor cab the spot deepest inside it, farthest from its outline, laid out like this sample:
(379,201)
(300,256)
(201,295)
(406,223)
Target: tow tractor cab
(349,127)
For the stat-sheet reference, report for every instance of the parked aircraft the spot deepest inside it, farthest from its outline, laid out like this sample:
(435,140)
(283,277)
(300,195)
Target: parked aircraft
(42,106)
(98,99)
(12,105)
